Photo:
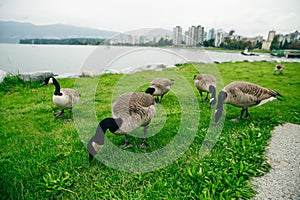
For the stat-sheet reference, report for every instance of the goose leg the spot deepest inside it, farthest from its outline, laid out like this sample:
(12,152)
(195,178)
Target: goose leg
(144,144)
(161,98)
(71,111)
(206,99)
(60,114)
(242,113)
(70,115)
(247,113)
(127,143)
(201,95)
(157,99)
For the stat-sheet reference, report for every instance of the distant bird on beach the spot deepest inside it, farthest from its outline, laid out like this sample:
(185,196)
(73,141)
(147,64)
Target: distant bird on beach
(130,111)
(206,83)
(65,98)
(244,95)
(279,67)
(159,87)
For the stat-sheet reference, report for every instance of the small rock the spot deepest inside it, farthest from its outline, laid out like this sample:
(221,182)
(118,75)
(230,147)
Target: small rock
(3,74)
(36,76)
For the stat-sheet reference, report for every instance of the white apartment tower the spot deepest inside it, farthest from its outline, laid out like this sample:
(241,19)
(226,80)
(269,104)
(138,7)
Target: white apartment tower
(194,36)
(177,35)
(271,36)
(211,34)
(219,37)
(200,34)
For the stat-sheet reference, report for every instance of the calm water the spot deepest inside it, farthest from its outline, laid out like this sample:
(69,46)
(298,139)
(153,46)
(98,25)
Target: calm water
(70,59)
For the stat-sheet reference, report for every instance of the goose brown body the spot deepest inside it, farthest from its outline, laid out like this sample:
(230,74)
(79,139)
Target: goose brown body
(279,67)
(130,111)
(135,109)
(64,98)
(206,83)
(67,100)
(161,86)
(244,95)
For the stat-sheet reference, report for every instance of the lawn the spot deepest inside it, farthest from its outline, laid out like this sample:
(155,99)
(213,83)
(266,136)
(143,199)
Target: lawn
(188,158)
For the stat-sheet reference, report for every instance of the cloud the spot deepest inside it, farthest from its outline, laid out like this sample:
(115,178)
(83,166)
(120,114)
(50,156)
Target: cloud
(250,18)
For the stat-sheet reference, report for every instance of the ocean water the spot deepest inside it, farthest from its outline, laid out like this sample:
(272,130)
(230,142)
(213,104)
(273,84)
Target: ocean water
(73,59)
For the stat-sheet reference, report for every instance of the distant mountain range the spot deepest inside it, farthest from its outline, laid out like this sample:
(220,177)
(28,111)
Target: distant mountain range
(12,32)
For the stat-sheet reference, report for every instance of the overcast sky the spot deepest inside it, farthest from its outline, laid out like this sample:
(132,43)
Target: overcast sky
(247,18)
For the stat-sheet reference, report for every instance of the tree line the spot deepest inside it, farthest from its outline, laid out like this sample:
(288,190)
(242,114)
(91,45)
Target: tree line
(70,41)
(228,43)
(277,44)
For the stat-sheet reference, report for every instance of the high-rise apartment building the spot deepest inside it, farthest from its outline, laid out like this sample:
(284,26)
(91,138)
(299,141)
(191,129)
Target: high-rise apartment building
(194,36)
(219,37)
(177,35)
(271,36)
(211,34)
(199,35)
(267,44)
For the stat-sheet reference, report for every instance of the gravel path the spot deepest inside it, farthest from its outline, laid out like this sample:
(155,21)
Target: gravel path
(283,181)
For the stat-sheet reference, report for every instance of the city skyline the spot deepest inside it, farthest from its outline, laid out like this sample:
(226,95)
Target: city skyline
(256,18)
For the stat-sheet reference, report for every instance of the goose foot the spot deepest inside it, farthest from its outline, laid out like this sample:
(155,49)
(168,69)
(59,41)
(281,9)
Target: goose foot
(59,114)
(126,145)
(143,145)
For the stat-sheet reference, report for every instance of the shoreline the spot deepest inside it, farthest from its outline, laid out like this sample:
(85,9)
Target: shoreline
(129,70)
(69,61)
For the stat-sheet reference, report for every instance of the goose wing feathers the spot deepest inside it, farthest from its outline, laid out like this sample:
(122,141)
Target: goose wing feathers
(68,99)
(162,81)
(161,85)
(135,109)
(203,81)
(70,92)
(247,93)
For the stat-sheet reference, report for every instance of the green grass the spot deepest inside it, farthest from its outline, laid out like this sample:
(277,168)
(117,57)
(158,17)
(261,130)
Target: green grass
(45,158)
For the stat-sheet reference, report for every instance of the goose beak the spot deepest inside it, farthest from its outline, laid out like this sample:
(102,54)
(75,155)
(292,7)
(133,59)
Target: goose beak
(212,102)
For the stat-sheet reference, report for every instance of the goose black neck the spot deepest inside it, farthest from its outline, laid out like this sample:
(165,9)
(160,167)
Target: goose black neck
(57,87)
(212,90)
(98,138)
(219,110)
(221,98)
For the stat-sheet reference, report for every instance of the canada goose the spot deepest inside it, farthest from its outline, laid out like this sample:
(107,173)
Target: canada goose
(279,67)
(206,83)
(244,95)
(160,86)
(65,98)
(130,111)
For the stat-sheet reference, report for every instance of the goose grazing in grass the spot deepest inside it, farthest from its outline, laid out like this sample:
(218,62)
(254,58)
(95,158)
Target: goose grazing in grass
(244,95)
(279,67)
(206,83)
(130,111)
(159,87)
(65,98)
